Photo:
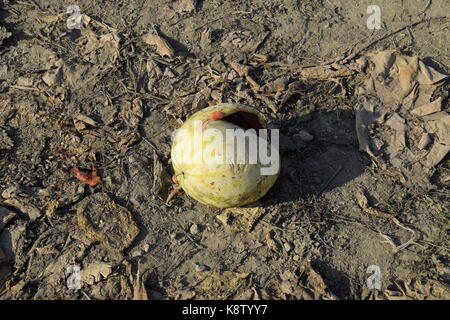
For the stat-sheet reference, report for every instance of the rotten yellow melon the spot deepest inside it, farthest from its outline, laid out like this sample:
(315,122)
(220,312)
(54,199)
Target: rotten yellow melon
(222,156)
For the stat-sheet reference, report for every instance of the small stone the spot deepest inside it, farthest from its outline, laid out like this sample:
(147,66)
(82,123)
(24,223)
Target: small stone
(177,237)
(194,229)
(146,247)
(200,267)
(287,246)
(232,75)
(296,257)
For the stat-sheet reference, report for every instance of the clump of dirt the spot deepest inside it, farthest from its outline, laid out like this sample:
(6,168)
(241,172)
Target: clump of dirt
(86,117)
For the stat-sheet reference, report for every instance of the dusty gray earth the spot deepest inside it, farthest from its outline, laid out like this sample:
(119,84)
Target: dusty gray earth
(100,103)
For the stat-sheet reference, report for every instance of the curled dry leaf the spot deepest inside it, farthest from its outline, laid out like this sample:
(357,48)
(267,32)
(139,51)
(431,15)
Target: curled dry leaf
(90,178)
(81,122)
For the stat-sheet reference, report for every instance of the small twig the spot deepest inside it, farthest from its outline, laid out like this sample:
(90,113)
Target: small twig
(85,294)
(364,204)
(150,144)
(426,7)
(24,88)
(276,227)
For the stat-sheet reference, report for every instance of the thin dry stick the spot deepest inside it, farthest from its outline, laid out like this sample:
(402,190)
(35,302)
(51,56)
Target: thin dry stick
(426,7)
(364,204)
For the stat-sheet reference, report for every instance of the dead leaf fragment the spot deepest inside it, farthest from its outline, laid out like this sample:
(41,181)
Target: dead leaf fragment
(163,48)
(272,244)
(277,85)
(6,143)
(424,141)
(95,272)
(242,70)
(139,291)
(81,122)
(5,216)
(429,108)
(437,153)
(402,87)
(240,218)
(102,50)
(90,178)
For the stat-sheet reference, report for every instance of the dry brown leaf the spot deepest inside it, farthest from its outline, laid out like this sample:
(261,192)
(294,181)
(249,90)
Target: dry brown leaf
(429,108)
(102,51)
(96,272)
(139,291)
(90,178)
(240,218)
(242,70)
(163,48)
